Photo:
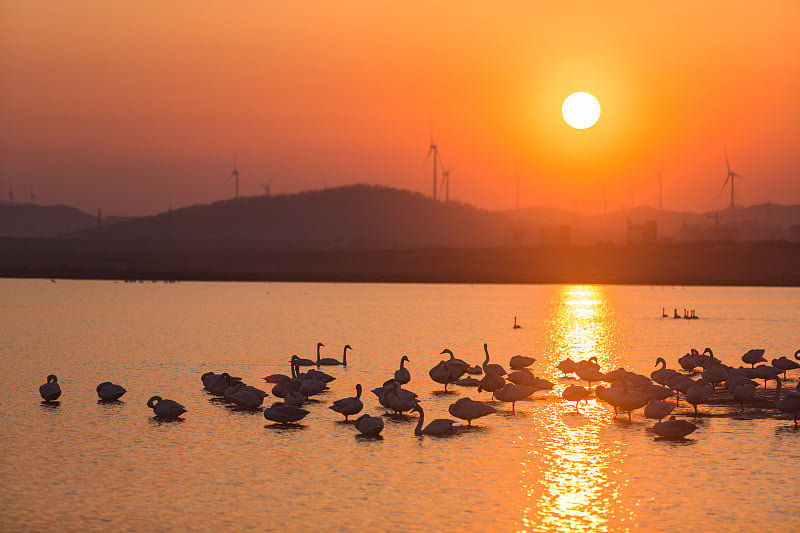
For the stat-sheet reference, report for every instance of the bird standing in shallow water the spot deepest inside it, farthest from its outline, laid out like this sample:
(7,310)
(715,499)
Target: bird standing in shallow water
(51,390)
(165,409)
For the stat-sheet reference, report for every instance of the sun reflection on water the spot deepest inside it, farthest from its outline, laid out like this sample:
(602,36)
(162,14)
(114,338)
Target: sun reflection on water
(569,478)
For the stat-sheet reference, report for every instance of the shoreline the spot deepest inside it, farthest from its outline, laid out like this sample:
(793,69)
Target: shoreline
(757,264)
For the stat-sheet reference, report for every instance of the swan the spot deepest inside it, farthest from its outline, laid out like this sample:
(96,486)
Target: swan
(275,378)
(302,361)
(767,372)
(673,429)
(630,400)
(440,426)
(516,326)
(468,381)
(657,392)
(247,397)
(165,409)
(330,361)
(658,409)
(511,392)
(567,366)
(294,396)
(369,426)
(789,404)
(109,392)
(402,375)
(785,364)
(349,406)
(589,373)
(518,362)
(216,384)
(575,393)
(689,361)
(399,399)
(456,366)
(754,356)
(440,374)
(313,373)
(493,368)
(475,370)
(491,383)
(661,375)
(745,392)
(51,390)
(699,393)
(284,414)
(469,410)
(521,377)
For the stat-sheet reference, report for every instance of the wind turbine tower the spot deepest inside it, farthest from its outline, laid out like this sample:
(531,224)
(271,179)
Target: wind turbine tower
(659,192)
(10,195)
(266,187)
(433,149)
(235,174)
(730,177)
(446,182)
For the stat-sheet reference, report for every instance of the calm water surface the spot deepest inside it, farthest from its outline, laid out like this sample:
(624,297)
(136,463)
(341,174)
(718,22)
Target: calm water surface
(83,466)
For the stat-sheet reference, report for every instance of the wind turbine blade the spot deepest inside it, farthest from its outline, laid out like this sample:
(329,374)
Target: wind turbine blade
(728,177)
(727,163)
(737,175)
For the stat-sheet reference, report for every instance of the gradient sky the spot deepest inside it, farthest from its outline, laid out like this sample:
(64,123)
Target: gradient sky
(128,106)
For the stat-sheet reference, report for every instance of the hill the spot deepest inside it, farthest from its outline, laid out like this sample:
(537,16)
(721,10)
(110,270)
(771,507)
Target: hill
(349,217)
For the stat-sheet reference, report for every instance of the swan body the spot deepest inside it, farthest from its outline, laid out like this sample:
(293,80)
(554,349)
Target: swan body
(699,393)
(518,362)
(439,427)
(475,370)
(248,397)
(216,384)
(630,400)
(657,409)
(400,400)
(165,409)
(349,406)
(469,410)
(302,361)
(275,378)
(468,381)
(51,390)
(576,393)
(369,426)
(673,429)
(745,392)
(511,392)
(785,364)
(754,356)
(294,397)
(493,368)
(330,361)
(789,404)
(284,414)
(516,326)
(767,372)
(491,383)
(457,367)
(567,366)
(402,375)
(521,377)
(110,392)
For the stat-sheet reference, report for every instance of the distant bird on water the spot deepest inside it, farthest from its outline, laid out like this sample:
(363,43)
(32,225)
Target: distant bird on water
(673,429)
(439,427)
(349,406)
(516,326)
(110,392)
(469,410)
(165,409)
(330,361)
(51,390)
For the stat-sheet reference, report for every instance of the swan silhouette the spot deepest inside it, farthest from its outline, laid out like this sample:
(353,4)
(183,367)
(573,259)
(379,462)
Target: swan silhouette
(751,357)
(349,406)
(673,429)
(330,361)
(165,409)
(576,393)
(284,414)
(699,393)
(402,375)
(493,368)
(511,392)
(369,426)
(789,404)
(51,390)
(745,392)
(516,326)
(247,397)
(302,361)
(785,364)
(110,392)
(518,362)
(657,409)
(469,410)
(439,427)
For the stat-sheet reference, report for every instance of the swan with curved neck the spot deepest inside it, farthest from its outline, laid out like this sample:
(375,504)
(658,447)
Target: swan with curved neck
(165,409)
(493,368)
(330,361)
(789,404)
(440,426)
(349,406)
(51,390)
(402,375)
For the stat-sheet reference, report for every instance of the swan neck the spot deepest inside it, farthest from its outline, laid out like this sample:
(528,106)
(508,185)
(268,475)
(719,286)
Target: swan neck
(420,421)
(486,351)
(358,391)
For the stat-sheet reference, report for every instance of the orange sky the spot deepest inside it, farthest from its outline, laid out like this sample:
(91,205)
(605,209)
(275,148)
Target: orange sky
(128,106)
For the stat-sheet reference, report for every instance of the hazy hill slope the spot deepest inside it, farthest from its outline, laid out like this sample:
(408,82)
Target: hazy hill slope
(32,221)
(350,216)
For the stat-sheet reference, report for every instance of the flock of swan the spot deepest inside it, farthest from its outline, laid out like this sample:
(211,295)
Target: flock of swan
(702,379)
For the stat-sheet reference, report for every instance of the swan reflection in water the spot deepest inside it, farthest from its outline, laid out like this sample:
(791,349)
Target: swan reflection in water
(569,477)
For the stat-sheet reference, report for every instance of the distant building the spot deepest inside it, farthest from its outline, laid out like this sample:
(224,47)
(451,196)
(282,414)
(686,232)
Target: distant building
(646,233)
(556,235)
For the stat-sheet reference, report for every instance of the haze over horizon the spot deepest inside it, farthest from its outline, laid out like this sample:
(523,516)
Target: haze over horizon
(131,107)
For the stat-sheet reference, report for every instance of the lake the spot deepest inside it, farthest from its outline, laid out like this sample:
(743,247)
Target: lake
(81,465)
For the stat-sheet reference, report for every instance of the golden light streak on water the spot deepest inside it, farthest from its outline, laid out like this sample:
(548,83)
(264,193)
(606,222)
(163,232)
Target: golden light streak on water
(568,477)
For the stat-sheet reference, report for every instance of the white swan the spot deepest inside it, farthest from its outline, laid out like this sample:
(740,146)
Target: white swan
(247,397)
(349,406)
(469,410)
(439,427)
(402,375)
(369,426)
(673,429)
(699,393)
(518,362)
(110,392)
(302,361)
(657,409)
(165,409)
(51,390)
(511,392)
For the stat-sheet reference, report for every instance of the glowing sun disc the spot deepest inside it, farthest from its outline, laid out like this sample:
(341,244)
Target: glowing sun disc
(580,110)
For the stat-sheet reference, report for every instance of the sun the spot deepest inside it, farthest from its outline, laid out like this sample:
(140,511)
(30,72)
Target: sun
(580,110)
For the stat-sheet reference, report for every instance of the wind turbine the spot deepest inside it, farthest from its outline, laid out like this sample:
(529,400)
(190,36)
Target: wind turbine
(235,174)
(266,187)
(433,149)
(446,181)
(730,177)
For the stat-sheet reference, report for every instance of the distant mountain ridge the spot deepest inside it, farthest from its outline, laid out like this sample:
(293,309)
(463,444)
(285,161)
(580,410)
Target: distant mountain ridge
(376,217)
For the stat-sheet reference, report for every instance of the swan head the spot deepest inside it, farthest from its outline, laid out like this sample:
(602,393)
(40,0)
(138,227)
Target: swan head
(52,378)
(152,402)
(319,345)
(660,360)
(447,350)
(405,357)
(708,351)
(348,347)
